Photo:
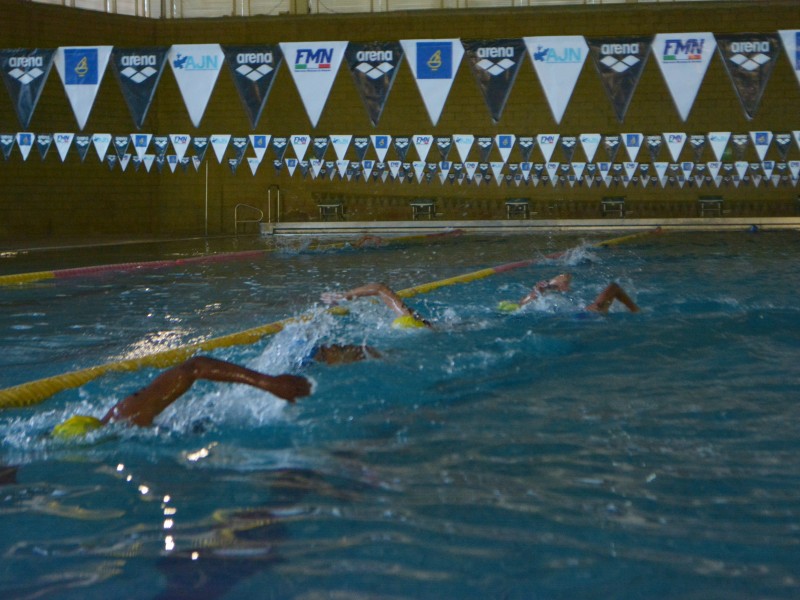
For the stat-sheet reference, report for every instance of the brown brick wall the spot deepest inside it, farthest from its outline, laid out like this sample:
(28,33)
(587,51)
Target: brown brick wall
(47,198)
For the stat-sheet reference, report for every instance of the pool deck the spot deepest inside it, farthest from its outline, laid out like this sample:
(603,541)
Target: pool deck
(507,226)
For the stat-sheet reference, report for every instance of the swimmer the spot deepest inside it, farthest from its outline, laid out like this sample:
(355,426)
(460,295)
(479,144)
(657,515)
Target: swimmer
(406,318)
(561,283)
(342,354)
(145,405)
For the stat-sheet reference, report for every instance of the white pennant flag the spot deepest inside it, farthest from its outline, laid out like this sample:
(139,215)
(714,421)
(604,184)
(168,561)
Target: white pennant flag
(172,161)
(148,160)
(341,167)
(180,142)
(633,143)
(63,141)
(254,162)
(366,167)
(340,144)
(394,168)
(25,142)
(791,42)
(291,165)
(101,142)
(577,169)
(547,144)
(497,171)
(505,143)
(434,64)
(525,169)
(81,70)
(794,169)
(316,167)
(713,168)
(220,143)
(675,143)
(558,61)
(768,166)
(552,172)
(630,170)
(423,144)
(463,143)
(313,66)
(661,172)
(470,167)
(196,67)
(683,59)
(260,143)
(300,145)
(124,160)
(590,143)
(141,141)
(719,141)
(381,144)
(686,169)
(741,168)
(761,142)
(419,169)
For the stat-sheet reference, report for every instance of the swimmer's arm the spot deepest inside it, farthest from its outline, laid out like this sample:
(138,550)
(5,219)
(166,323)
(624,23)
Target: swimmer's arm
(142,407)
(559,283)
(389,297)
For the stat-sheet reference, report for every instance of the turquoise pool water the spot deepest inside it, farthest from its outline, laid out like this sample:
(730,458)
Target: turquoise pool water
(542,454)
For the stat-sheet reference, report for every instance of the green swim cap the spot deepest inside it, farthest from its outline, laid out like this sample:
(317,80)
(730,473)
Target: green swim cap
(407,322)
(76,426)
(507,306)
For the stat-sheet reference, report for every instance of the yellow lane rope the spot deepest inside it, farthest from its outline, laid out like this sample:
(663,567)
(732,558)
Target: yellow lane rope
(35,392)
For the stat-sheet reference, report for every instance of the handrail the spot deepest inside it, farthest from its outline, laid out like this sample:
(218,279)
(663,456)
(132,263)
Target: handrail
(237,221)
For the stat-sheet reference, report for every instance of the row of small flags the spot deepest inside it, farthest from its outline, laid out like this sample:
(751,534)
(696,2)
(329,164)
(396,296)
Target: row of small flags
(683,58)
(566,173)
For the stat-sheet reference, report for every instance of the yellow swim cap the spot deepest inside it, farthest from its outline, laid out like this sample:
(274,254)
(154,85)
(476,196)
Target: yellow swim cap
(507,306)
(407,322)
(339,311)
(76,426)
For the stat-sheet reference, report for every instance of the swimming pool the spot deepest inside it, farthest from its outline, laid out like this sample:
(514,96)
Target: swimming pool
(539,454)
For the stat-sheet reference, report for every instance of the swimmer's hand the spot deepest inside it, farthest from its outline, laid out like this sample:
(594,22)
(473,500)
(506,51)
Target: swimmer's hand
(333,298)
(289,387)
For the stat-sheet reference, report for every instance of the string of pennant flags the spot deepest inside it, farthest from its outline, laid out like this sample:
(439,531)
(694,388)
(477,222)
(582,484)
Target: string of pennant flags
(312,156)
(683,59)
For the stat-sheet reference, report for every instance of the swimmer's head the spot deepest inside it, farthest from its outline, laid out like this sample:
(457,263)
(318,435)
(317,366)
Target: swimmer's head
(339,311)
(76,426)
(507,306)
(408,322)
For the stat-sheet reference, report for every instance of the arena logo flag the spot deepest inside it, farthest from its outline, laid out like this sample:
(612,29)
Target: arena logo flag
(82,143)
(783,142)
(444,143)
(485,144)
(791,43)
(361,145)
(253,69)
(279,145)
(81,71)
(138,72)
(698,144)
(200,145)
(6,144)
(121,143)
(196,68)
(620,62)
(401,144)
(495,64)
(526,144)
(374,67)
(434,64)
(25,73)
(568,143)
(558,61)
(683,59)
(43,143)
(749,59)
(313,66)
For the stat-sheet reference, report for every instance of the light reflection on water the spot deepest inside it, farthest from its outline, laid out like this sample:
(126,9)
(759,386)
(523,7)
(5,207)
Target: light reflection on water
(537,454)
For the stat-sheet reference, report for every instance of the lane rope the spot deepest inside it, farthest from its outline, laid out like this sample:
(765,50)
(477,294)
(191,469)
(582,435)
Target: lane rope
(35,392)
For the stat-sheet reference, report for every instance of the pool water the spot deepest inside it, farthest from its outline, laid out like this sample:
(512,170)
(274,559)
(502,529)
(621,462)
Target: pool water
(547,453)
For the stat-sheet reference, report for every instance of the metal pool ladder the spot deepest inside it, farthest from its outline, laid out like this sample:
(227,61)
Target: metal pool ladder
(237,221)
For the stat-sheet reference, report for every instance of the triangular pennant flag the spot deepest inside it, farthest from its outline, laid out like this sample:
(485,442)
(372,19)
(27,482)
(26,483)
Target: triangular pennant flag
(469,168)
(741,168)
(253,162)
(101,143)
(340,145)
(196,162)
(794,169)
(654,146)
(740,142)
(111,160)
(394,168)
(141,141)
(374,67)
(568,143)
(279,145)
(495,64)
(123,161)
(768,166)
(219,142)
(661,172)
(578,168)
(686,170)
(233,164)
(367,166)
(7,141)
(320,145)
(558,61)
(121,143)
(675,143)
(63,142)
(291,165)
(630,170)
(633,143)
(43,143)
(719,142)
(683,59)
(300,144)
(749,59)
(611,144)
(341,167)
(590,142)
(791,43)
(434,64)
(505,143)
(620,62)
(360,145)
(497,171)
(200,145)
(260,143)
(196,68)
(253,69)
(316,167)
(444,143)
(419,169)
(81,70)
(526,144)
(552,172)
(485,144)
(401,145)
(313,66)
(698,144)
(240,147)
(138,72)
(82,143)
(713,169)
(422,144)
(381,144)
(147,161)
(180,143)
(25,72)
(547,144)
(463,143)
(161,143)
(761,142)
(783,141)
